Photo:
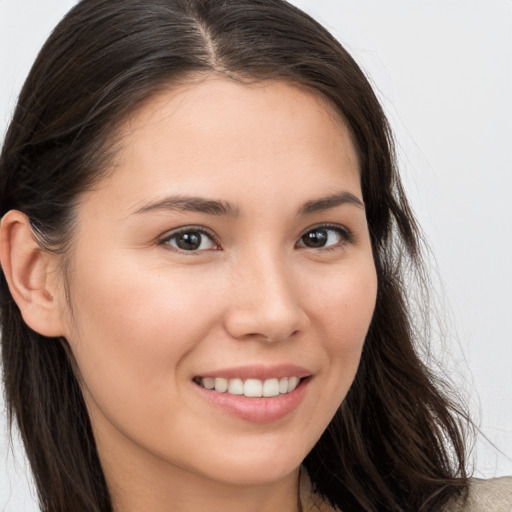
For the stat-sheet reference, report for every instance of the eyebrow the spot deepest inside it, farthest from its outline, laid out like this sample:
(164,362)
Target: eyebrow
(224,208)
(192,204)
(325,203)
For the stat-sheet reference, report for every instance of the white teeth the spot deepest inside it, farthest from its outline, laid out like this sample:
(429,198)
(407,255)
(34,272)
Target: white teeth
(236,387)
(293,382)
(271,387)
(208,383)
(221,385)
(251,387)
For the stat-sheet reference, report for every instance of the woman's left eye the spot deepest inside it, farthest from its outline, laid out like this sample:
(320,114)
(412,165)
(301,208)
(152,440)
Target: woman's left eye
(190,240)
(323,237)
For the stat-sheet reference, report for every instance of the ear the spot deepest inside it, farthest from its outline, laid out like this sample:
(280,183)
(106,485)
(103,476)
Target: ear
(32,275)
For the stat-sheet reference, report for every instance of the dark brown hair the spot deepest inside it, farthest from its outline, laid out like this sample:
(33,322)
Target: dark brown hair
(397,442)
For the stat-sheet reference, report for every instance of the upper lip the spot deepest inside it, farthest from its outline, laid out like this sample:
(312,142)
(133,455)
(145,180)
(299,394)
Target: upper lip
(261,372)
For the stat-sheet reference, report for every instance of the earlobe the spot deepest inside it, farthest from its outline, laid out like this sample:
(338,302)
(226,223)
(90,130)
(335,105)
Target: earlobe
(31,275)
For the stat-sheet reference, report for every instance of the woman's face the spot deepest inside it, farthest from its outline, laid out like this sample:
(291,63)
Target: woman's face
(227,247)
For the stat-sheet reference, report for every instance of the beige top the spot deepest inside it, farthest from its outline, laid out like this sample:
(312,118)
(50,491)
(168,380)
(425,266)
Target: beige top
(493,495)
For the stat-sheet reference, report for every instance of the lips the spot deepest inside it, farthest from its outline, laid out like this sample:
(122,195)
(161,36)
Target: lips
(255,393)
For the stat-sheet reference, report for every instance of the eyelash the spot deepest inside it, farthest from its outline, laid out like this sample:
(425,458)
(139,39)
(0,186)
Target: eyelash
(344,233)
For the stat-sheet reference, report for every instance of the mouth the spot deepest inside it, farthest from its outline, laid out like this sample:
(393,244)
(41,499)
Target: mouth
(251,388)
(255,393)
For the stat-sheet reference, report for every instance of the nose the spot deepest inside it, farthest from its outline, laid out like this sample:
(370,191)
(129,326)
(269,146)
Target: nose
(265,301)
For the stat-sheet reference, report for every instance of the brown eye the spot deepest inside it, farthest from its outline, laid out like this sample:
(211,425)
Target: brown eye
(190,240)
(321,237)
(316,238)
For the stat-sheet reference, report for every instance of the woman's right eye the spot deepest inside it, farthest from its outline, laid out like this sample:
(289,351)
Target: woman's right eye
(190,240)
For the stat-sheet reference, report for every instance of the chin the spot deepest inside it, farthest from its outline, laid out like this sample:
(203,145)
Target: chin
(257,466)
(262,474)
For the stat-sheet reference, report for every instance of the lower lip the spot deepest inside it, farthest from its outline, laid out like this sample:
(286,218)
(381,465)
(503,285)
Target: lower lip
(257,410)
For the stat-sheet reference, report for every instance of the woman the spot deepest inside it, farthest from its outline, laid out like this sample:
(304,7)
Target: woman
(203,246)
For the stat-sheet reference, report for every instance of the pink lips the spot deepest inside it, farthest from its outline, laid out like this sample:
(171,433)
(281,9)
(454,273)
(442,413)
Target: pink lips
(258,410)
(261,372)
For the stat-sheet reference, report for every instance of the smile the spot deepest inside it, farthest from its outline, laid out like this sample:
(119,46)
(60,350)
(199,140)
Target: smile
(253,388)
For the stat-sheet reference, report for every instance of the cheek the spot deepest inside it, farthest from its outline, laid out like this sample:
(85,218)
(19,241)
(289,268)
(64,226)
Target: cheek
(135,330)
(343,310)
(344,302)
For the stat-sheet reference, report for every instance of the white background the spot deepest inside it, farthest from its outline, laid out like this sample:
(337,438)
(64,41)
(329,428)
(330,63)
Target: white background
(443,70)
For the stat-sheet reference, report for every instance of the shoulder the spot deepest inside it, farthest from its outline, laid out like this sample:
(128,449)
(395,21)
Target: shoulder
(493,495)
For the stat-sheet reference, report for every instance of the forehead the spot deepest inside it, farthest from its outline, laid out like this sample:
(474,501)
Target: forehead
(198,138)
(194,92)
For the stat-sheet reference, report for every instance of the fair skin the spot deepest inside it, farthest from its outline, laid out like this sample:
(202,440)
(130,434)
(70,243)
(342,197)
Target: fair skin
(270,281)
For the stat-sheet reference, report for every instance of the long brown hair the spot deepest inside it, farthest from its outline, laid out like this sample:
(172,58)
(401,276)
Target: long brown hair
(397,442)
